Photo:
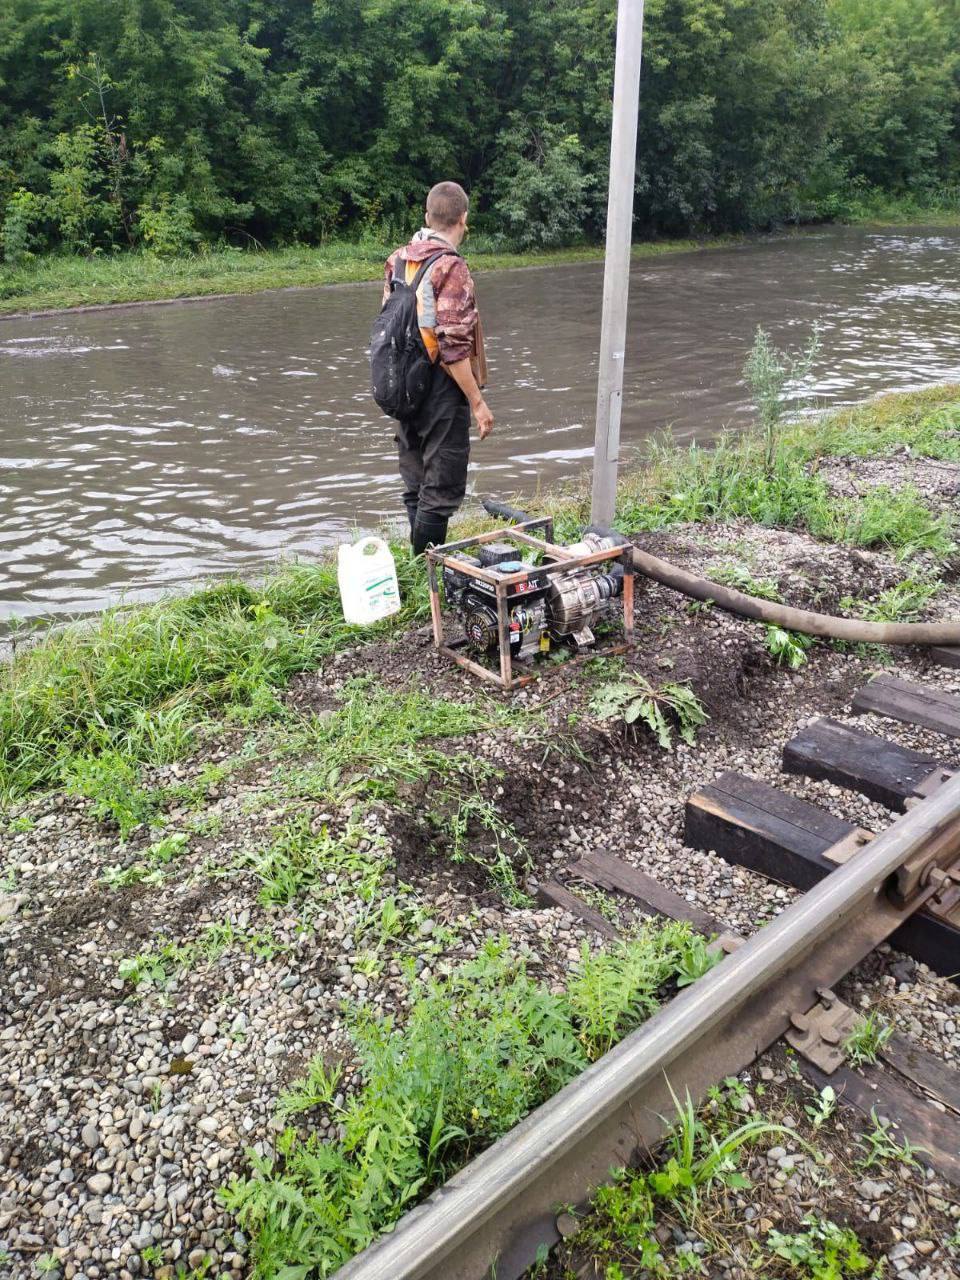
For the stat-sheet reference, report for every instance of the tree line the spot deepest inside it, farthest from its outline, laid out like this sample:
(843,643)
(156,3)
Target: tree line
(170,124)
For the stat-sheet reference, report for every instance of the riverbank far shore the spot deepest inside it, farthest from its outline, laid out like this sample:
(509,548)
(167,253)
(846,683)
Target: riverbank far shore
(268,883)
(59,284)
(53,284)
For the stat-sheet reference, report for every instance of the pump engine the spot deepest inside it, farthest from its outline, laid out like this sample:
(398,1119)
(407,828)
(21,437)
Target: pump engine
(543,609)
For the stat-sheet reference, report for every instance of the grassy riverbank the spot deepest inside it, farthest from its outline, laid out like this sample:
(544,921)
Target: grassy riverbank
(140,682)
(268,882)
(61,282)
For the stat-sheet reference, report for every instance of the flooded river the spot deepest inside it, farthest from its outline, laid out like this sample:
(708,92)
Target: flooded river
(144,449)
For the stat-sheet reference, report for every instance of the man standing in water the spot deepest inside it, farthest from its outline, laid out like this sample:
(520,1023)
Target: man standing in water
(434,443)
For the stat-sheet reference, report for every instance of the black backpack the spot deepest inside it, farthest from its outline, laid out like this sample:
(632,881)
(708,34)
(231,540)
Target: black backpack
(400,367)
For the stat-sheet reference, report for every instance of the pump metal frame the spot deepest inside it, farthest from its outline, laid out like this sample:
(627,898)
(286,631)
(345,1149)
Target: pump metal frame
(561,561)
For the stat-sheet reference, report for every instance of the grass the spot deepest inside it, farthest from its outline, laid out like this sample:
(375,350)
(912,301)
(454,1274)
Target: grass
(151,868)
(905,602)
(500,853)
(864,1043)
(478,1051)
(625,1231)
(300,859)
(156,966)
(137,685)
(736,576)
(730,480)
(57,282)
(882,1148)
(679,1217)
(377,744)
(376,741)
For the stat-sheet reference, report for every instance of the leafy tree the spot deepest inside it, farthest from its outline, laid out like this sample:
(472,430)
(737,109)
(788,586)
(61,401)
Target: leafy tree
(168,123)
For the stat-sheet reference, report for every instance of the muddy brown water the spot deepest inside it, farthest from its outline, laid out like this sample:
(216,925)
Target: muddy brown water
(145,449)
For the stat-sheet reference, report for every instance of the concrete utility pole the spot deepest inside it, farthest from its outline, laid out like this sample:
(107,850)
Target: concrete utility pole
(616,271)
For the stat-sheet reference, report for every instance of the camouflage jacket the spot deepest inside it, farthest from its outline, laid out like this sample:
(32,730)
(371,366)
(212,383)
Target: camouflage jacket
(446,301)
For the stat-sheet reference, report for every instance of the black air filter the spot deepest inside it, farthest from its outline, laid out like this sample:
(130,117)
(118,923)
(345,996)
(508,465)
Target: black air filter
(492,553)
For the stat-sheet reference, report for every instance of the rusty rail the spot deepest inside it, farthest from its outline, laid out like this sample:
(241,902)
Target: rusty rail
(491,1216)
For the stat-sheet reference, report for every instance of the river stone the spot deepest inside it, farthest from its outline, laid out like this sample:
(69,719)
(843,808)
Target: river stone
(90,1136)
(9,903)
(99,1184)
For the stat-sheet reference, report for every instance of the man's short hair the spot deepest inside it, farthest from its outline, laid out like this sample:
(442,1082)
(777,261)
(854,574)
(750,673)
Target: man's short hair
(446,204)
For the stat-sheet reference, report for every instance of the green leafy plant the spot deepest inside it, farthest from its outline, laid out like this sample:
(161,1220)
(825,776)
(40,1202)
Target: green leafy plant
(501,854)
(904,602)
(316,1089)
(882,1146)
(636,699)
(300,859)
(156,966)
(696,959)
(819,1112)
(768,371)
(613,991)
(789,648)
(696,1156)
(478,1051)
(867,1038)
(600,901)
(699,1157)
(734,575)
(111,781)
(150,869)
(824,1251)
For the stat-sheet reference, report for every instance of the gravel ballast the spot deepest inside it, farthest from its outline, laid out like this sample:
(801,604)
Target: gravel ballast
(123,1110)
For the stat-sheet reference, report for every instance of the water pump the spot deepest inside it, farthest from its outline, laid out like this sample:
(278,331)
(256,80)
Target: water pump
(517,597)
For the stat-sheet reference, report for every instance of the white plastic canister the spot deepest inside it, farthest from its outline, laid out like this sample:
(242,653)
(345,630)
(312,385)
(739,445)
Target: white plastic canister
(367,577)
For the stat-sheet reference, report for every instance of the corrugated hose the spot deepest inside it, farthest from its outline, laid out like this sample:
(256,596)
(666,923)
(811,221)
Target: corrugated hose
(824,625)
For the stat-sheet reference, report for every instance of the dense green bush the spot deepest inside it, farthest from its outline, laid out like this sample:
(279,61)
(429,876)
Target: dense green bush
(167,123)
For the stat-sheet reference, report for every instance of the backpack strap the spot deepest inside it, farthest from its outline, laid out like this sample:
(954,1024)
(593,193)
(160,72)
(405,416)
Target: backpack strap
(427,264)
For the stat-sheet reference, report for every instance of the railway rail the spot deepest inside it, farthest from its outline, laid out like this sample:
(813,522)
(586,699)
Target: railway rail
(491,1217)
